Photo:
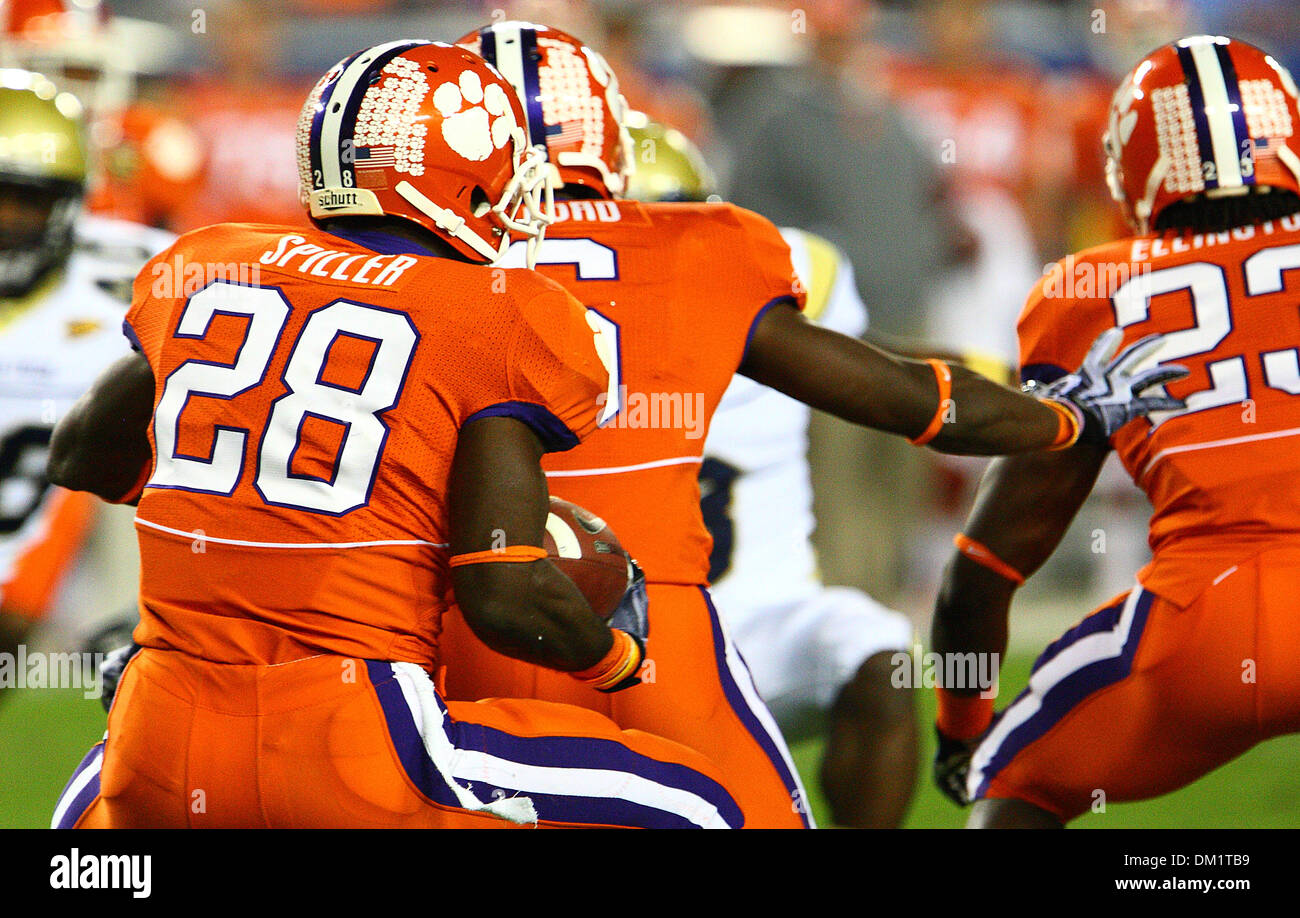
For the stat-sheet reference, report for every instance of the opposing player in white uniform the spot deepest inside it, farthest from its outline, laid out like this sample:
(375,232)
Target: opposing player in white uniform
(821,656)
(65,283)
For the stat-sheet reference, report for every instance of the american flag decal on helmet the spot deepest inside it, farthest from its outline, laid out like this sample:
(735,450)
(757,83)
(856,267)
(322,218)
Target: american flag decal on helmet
(333,117)
(565,133)
(375,157)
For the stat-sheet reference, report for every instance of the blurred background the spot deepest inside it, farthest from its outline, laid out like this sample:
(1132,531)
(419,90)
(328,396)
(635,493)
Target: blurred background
(951,148)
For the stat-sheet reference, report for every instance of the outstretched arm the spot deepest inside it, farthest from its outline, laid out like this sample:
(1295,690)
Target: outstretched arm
(865,385)
(1022,509)
(102,444)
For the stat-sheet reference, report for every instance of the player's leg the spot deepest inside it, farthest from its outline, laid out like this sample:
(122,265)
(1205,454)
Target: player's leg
(538,762)
(80,792)
(1139,699)
(337,742)
(699,692)
(1006,813)
(827,665)
(32,570)
(179,752)
(1273,670)
(869,767)
(14,629)
(696,691)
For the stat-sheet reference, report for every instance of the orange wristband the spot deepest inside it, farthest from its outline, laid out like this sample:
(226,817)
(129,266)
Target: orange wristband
(517,554)
(623,659)
(1067,434)
(943,375)
(962,717)
(980,554)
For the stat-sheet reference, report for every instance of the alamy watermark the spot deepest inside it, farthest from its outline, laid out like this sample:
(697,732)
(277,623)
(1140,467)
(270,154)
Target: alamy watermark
(26,669)
(180,278)
(657,410)
(1073,278)
(950,670)
(75,870)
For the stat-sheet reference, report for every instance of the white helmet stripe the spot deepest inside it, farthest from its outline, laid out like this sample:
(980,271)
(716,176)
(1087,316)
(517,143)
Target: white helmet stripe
(505,46)
(332,122)
(508,57)
(1218,113)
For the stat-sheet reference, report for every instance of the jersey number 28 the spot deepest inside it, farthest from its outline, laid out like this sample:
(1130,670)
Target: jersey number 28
(356,410)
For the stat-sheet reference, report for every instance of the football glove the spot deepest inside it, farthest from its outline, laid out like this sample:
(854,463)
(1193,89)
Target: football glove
(632,615)
(952,766)
(110,672)
(1106,391)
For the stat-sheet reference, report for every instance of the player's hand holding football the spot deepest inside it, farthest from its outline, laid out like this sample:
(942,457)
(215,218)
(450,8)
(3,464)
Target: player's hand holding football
(632,617)
(110,672)
(1107,391)
(630,625)
(633,612)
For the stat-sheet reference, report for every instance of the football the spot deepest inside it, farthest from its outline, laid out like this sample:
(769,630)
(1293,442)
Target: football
(583,546)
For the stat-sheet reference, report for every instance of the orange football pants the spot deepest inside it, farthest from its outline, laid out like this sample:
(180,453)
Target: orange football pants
(696,691)
(1143,697)
(333,742)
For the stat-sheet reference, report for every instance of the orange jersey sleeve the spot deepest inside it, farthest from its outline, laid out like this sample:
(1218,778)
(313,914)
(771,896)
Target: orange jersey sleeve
(148,319)
(1059,322)
(555,363)
(769,256)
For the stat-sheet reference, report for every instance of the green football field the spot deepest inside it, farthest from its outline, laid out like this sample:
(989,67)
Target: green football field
(45,733)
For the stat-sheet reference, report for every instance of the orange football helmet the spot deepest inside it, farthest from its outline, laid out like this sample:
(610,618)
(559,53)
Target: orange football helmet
(571,101)
(427,132)
(1204,115)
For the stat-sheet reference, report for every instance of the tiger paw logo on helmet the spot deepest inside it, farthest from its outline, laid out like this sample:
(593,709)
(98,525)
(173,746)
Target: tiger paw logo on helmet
(429,133)
(474,132)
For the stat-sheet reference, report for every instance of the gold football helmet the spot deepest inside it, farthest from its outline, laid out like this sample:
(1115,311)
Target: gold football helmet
(669,167)
(42,177)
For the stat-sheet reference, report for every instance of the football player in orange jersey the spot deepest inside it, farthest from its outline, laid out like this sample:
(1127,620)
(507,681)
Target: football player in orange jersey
(1196,664)
(322,450)
(691,293)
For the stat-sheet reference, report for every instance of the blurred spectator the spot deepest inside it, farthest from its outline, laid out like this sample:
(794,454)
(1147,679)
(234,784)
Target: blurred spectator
(245,112)
(813,144)
(641,53)
(984,123)
(144,163)
(150,167)
(1114,33)
(1272,24)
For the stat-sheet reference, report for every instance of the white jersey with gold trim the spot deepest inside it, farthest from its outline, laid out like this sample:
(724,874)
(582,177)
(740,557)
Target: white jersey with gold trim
(802,640)
(54,342)
(755,487)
